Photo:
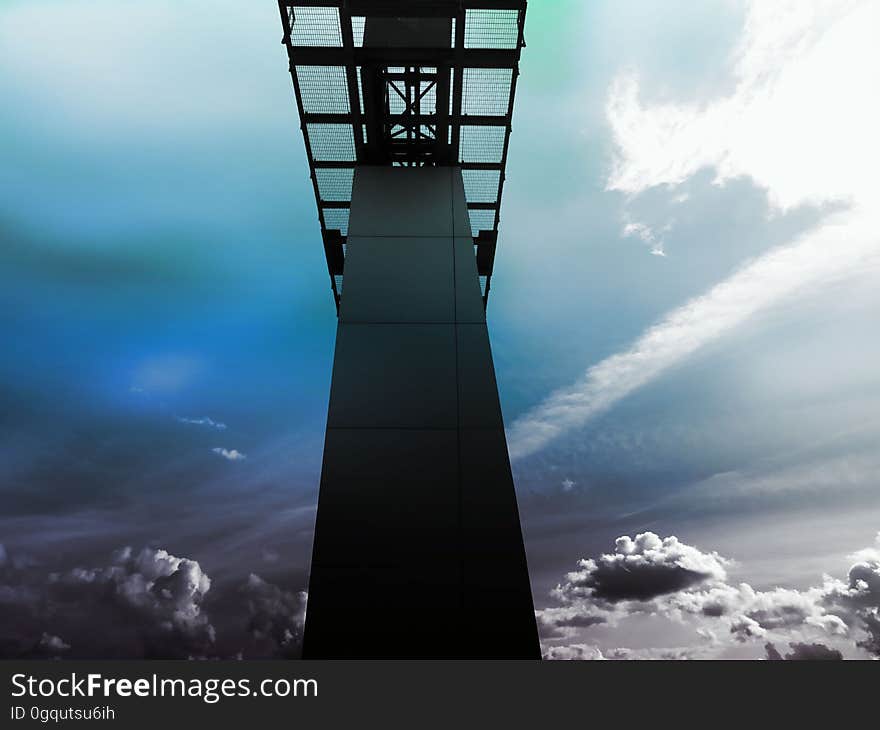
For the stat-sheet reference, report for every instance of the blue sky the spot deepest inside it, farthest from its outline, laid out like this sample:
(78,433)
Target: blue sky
(683,315)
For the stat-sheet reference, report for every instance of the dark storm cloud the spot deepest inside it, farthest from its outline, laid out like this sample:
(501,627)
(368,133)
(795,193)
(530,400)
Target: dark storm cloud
(148,604)
(683,583)
(276,616)
(642,569)
(158,595)
(803,652)
(871,643)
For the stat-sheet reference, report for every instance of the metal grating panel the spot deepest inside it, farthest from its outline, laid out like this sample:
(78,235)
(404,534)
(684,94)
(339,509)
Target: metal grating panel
(323,89)
(481,186)
(481,144)
(358,26)
(428,94)
(315,27)
(491,28)
(486,91)
(481,220)
(335,184)
(331,142)
(336,218)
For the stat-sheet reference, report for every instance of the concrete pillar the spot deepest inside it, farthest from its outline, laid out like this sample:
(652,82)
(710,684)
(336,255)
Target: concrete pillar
(418,550)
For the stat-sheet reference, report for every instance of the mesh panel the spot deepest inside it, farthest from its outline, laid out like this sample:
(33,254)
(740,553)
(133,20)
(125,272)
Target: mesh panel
(358,24)
(428,102)
(481,186)
(481,220)
(491,29)
(315,27)
(336,218)
(335,184)
(324,89)
(481,144)
(331,142)
(396,94)
(486,91)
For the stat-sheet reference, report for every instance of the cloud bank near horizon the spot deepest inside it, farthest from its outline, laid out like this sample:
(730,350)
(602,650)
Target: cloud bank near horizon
(666,579)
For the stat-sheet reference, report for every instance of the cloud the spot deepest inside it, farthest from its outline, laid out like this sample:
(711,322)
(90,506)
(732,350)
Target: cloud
(801,124)
(558,621)
(276,616)
(587,652)
(229,454)
(53,644)
(800,121)
(203,421)
(665,578)
(833,251)
(146,604)
(580,652)
(646,234)
(641,569)
(803,652)
(160,594)
(871,643)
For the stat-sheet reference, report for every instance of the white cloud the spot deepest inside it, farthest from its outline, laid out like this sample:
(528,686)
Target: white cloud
(203,421)
(801,122)
(802,125)
(229,454)
(646,234)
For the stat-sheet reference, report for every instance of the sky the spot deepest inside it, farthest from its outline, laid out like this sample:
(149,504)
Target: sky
(683,319)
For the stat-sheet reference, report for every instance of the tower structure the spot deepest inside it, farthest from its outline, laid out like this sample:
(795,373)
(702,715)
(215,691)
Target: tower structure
(405,108)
